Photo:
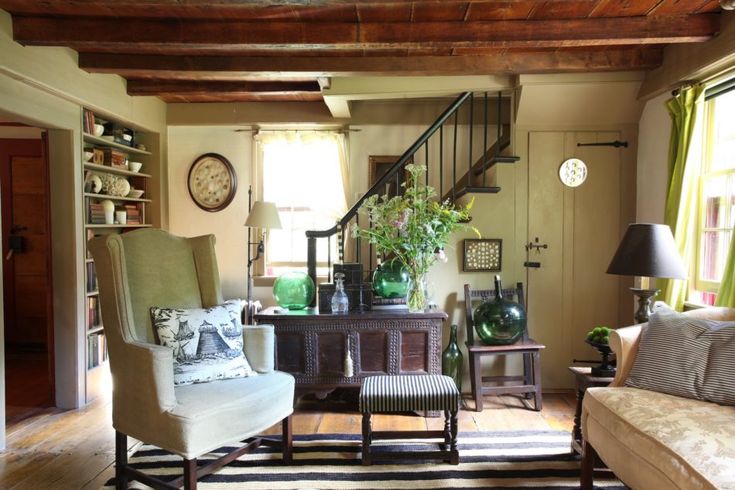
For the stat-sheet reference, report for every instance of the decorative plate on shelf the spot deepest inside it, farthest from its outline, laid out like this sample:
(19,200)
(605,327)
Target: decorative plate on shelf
(482,254)
(212,182)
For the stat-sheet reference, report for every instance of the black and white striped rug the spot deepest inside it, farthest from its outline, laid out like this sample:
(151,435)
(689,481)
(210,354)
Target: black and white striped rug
(536,459)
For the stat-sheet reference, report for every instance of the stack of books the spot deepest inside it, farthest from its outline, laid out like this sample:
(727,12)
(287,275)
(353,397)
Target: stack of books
(93,312)
(389,303)
(96,213)
(88,122)
(115,158)
(91,278)
(97,347)
(134,215)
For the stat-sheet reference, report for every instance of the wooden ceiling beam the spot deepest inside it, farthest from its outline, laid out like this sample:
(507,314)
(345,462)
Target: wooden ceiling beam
(502,62)
(200,34)
(203,87)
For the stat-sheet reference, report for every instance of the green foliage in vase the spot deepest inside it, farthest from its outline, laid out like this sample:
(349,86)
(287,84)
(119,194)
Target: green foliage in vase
(413,228)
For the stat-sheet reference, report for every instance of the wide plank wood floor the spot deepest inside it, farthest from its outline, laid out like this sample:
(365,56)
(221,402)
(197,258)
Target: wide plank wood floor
(75,448)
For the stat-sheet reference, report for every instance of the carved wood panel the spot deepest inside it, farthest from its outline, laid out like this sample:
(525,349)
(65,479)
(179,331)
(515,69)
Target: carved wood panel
(313,347)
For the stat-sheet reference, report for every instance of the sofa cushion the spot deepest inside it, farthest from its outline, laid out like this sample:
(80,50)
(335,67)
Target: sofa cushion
(690,442)
(207,342)
(685,356)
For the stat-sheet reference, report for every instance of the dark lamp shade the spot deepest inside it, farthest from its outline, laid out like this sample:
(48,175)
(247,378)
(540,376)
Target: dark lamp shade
(648,250)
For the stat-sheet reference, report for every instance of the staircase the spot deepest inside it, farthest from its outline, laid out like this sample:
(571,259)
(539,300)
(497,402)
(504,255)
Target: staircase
(462,126)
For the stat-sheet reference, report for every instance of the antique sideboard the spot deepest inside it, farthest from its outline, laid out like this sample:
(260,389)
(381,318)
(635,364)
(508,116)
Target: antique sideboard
(314,347)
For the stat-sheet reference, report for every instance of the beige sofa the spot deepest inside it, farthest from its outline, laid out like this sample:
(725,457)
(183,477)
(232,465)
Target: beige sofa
(653,440)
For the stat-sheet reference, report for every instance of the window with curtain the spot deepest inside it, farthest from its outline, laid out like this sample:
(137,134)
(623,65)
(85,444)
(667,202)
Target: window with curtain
(716,208)
(304,173)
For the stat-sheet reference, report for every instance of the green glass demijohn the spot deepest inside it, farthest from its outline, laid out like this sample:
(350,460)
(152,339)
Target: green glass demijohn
(293,290)
(499,321)
(453,360)
(390,280)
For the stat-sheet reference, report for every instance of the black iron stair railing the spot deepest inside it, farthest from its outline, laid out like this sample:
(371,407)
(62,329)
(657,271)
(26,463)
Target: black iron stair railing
(472,180)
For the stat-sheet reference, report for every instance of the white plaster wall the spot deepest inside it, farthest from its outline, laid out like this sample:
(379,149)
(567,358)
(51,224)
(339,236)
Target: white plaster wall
(187,219)
(653,150)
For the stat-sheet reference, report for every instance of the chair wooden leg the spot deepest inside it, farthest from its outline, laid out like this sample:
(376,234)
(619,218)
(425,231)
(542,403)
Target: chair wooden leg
(538,402)
(121,461)
(476,380)
(588,467)
(287,440)
(454,457)
(190,474)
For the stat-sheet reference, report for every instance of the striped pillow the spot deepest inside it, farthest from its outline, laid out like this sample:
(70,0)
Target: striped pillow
(688,357)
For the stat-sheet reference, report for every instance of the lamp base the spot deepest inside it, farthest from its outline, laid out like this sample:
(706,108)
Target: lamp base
(644,303)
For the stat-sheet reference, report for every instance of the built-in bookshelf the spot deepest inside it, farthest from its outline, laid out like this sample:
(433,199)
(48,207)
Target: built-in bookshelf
(119,163)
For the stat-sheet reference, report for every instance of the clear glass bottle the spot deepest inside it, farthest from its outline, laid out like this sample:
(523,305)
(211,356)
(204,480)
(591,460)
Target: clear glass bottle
(340,303)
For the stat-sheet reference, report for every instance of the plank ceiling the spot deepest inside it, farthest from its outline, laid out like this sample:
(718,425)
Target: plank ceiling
(248,50)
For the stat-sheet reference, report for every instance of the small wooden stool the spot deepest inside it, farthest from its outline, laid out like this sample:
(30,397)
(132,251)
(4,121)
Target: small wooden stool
(407,393)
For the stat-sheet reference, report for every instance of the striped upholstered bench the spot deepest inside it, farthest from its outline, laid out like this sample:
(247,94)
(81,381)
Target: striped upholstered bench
(406,393)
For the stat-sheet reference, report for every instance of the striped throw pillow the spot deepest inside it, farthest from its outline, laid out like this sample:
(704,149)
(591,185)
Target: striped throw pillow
(688,357)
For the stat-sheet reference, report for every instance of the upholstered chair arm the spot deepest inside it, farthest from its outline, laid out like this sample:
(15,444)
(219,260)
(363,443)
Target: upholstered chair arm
(624,343)
(145,383)
(259,346)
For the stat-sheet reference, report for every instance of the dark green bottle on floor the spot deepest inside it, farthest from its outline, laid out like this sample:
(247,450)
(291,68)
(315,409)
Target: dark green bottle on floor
(452,359)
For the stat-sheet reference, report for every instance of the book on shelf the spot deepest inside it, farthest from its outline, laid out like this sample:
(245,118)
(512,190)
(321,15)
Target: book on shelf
(93,312)
(91,277)
(116,158)
(88,121)
(96,350)
(135,216)
(96,213)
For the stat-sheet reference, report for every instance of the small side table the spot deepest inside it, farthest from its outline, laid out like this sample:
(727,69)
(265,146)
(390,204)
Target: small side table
(583,379)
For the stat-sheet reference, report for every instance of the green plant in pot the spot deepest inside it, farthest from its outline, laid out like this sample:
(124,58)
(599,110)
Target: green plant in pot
(413,229)
(599,338)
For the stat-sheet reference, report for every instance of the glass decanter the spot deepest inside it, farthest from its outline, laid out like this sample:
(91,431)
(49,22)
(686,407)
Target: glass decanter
(340,303)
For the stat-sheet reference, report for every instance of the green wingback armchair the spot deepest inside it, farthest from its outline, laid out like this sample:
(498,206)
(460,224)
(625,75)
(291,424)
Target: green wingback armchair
(146,268)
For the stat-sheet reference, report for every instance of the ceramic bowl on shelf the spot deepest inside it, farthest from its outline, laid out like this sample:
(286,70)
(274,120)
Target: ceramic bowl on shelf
(88,155)
(98,129)
(135,193)
(134,166)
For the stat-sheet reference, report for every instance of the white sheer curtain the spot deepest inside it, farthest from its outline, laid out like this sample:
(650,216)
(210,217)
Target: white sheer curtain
(306,174)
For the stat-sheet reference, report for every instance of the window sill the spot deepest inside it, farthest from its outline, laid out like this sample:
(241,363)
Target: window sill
(690,305)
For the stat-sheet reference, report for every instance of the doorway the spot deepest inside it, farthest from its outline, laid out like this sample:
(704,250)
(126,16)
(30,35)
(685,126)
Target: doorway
(573,233)
(27,279)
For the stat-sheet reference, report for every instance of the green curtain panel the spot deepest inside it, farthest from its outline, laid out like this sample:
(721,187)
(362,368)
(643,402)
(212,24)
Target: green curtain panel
(726,293)
(686,111)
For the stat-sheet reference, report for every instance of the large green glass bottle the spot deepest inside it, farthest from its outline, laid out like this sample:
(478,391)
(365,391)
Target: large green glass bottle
(390,280)
(452,359)
(293,290)
(499,321)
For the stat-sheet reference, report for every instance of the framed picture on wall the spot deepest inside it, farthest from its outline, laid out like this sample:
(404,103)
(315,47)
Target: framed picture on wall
(378,165)
(482,255)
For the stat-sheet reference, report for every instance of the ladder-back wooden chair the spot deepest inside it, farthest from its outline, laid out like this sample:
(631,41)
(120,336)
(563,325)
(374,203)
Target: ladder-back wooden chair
(527,384)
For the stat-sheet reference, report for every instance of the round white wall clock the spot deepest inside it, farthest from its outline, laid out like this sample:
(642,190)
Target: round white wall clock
(212,182)
(573,172)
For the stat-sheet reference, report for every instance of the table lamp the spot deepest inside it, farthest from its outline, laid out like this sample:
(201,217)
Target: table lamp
(263,215)
(647,250)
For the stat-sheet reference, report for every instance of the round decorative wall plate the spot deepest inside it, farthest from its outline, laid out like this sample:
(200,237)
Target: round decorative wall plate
(212,182)
(573,172)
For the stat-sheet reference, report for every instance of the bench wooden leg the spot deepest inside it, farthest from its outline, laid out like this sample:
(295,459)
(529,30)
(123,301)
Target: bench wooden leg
(588,467)
(366,438)
(190,474)
(454,453)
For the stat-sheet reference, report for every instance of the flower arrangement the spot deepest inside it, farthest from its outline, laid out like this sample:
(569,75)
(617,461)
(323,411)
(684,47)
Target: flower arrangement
(414,229)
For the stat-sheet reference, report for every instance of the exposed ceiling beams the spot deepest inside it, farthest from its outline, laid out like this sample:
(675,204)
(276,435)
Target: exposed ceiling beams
(250,50)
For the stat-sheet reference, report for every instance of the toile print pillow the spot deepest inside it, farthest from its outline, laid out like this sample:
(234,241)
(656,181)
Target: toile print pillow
(207,342)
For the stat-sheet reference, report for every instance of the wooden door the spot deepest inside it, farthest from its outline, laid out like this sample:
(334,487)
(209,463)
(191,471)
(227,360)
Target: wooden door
(26,247)
(570,293)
